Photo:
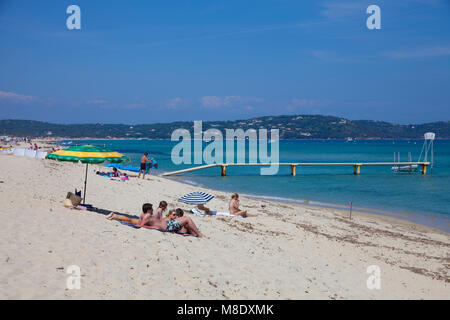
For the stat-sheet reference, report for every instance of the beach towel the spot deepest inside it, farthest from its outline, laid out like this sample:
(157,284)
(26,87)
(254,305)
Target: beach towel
(153,228)
(200,213)
(149,165)
(126,223)
(224,214)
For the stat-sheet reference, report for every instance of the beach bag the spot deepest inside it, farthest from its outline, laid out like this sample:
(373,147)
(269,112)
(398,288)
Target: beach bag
(72,200)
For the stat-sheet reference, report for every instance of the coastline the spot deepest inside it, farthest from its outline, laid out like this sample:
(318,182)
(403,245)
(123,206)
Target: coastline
(306,139)
(411,217)
(393,216)
(306,252)
(422,219)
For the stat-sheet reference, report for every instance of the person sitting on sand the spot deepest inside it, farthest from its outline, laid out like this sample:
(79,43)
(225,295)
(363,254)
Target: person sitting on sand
(161,208)
(171,223)
(179,213)
(176,214)
(234,207)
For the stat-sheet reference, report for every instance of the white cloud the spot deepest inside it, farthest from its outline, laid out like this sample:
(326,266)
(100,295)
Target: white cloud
(97,101)
(176,103)
(436,51)
(15,97)
(340,9)
(132,106)
(227,101)
(211,101)
(303,104)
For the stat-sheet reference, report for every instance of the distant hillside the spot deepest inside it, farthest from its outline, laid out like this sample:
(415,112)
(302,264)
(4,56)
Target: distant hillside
(291,127)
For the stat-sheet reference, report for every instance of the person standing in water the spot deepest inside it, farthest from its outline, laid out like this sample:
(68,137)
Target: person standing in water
(143,168)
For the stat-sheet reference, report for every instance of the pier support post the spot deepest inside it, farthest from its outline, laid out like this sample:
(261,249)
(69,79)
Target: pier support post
(357,169)
(224,170)
(293,170)
(424,169)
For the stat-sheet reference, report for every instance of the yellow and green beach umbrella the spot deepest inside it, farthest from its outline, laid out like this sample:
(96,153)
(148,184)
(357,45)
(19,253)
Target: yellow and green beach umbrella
(87,154)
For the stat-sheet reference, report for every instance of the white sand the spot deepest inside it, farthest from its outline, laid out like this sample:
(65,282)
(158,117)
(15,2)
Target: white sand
(288,252)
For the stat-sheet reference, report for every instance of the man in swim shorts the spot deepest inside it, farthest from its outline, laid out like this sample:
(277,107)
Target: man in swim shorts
(143,168)
(171,223)
(173,226)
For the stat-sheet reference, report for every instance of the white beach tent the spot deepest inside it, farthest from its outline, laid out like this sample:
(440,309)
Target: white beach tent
(19,152)
(22,152)
(30,153)
(41,154)
(6,151)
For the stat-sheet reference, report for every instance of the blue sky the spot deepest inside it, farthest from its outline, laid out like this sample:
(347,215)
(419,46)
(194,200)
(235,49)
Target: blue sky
(162,61)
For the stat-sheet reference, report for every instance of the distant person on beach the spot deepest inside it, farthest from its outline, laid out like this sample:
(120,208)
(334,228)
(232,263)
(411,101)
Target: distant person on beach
(171,223)
(115,173)
(161,208)
(143,169)
(234,207)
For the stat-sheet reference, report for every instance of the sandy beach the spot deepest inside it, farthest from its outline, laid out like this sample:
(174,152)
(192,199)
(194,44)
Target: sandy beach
(288,252)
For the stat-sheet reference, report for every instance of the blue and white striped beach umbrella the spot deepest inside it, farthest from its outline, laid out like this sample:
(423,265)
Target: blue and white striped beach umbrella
(196,198)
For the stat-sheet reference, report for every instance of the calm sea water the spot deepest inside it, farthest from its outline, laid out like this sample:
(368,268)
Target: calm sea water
(413,196)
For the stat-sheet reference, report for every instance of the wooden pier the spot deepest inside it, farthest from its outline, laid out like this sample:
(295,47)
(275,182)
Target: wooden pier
(356,166)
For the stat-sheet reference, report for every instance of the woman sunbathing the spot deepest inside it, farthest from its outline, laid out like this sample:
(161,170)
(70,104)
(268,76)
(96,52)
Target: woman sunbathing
(171,223)
(234,207)
(115,173)
(179,213)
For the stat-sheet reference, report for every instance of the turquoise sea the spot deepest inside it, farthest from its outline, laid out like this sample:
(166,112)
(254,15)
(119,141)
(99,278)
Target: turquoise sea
(419,198)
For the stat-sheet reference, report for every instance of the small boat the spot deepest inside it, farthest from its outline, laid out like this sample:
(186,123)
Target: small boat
(407,168)
(427,148)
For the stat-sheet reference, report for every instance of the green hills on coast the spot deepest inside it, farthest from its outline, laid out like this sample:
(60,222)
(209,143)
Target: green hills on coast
(290,127)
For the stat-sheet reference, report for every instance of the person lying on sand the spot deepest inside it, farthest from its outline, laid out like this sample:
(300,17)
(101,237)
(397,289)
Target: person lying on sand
(115,173)
(171,223)
(203,208)
(147,212)
(234,207)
